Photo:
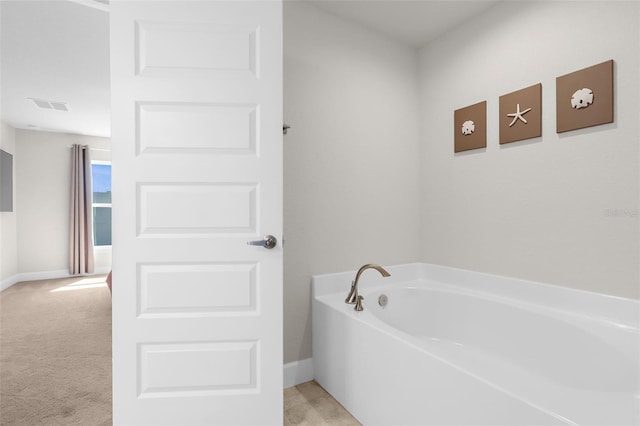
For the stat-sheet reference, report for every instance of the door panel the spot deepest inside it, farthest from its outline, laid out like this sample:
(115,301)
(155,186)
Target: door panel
(162,124)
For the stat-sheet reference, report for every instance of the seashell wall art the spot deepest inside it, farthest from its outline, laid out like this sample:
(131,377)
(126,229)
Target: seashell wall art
(470,127)
(584,98)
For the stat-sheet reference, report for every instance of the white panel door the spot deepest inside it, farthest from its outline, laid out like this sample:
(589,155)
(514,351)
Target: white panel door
(197,172)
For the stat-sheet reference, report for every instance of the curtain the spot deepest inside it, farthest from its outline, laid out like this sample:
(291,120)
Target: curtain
(81,213)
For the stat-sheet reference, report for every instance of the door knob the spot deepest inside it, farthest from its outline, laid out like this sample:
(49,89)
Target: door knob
(269,242)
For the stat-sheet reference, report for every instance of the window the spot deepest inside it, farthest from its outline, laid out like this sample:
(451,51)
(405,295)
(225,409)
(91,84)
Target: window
(101,177)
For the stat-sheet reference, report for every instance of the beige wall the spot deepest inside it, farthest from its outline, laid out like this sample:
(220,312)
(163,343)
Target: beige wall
(561,209)
(8,242)
(351,168)
(42,197)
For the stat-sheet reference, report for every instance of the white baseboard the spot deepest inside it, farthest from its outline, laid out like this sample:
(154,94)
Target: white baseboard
(8,282)
(298,372)
(43,275)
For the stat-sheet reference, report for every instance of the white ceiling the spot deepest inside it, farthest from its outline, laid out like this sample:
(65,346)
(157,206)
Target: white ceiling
(412,22)
(59,51)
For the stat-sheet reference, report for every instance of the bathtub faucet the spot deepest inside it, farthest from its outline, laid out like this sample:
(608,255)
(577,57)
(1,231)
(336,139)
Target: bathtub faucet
(353,297)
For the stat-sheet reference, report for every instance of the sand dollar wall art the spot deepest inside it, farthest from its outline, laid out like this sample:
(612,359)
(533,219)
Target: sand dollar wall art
(470,127)
(585,98)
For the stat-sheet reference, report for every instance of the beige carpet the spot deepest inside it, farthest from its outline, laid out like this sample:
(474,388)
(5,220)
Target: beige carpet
(55,353)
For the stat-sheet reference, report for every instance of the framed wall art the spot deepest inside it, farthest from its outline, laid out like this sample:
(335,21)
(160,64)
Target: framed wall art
(521,114)
(470,127)
(6,181)
(585,98)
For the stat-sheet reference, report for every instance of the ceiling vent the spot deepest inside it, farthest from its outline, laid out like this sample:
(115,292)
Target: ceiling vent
(45,104)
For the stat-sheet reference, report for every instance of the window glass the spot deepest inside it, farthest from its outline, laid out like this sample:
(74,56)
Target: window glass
(101,175)
(101,180)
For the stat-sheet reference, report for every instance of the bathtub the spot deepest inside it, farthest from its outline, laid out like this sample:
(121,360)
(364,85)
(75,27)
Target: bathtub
(454,347)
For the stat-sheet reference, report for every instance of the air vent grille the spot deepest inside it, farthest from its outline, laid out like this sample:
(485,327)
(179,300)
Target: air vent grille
(45,104)
(59,106)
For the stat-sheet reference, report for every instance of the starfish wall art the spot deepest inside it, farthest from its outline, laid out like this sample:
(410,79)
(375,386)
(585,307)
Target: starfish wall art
(521,114)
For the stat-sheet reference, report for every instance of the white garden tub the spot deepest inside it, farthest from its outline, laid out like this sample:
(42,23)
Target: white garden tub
(454,347)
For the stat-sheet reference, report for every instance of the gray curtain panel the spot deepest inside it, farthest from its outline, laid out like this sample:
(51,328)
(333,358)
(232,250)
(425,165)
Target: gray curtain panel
(81,213)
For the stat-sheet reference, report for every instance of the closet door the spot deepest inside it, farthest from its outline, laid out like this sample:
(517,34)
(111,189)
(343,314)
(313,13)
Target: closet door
(197,173)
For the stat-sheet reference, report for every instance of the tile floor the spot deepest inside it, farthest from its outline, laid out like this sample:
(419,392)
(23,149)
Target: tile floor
(309,405)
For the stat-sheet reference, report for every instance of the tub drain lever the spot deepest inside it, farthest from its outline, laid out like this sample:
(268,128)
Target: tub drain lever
(383,300)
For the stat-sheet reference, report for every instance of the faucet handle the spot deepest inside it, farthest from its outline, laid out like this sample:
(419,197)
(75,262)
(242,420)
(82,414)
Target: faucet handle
(359,304)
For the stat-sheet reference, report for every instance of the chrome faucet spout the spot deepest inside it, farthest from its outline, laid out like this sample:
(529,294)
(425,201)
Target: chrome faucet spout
(378,268)
(353,297)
